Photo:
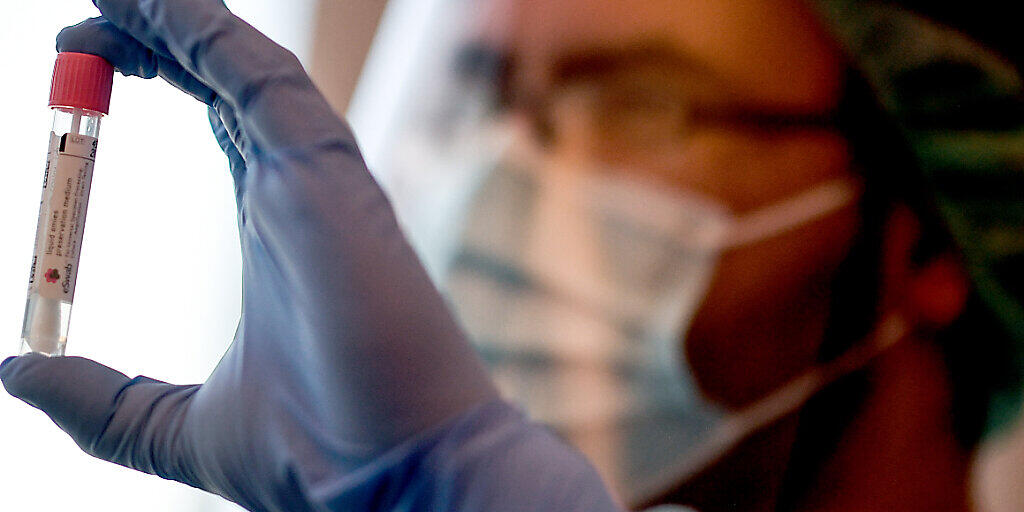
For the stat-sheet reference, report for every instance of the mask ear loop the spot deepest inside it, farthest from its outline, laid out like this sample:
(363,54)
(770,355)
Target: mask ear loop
(775,219)
(778,404)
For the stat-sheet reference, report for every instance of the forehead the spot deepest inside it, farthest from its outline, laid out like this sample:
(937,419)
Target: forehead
(770,52)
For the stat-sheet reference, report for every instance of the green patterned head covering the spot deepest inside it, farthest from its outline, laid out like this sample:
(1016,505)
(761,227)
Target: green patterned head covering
(960,107)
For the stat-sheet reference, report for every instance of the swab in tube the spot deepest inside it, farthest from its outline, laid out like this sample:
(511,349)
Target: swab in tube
(79,96)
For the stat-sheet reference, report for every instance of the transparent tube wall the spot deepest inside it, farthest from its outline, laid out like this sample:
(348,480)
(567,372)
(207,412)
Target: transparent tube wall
(47,319)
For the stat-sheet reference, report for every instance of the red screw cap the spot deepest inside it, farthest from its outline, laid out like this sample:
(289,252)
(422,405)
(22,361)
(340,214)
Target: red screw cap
(81,80)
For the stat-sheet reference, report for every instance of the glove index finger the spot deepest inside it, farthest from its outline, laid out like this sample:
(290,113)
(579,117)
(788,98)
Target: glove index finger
(266,84)
(98,36)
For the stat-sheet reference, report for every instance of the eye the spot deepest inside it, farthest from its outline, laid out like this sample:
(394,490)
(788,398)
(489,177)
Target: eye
(642,115)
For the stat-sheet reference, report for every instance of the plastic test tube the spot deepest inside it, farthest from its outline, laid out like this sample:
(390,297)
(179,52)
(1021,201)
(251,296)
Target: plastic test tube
(79,97)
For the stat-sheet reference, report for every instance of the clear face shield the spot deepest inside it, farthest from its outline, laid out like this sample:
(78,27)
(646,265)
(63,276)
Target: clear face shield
(576,274)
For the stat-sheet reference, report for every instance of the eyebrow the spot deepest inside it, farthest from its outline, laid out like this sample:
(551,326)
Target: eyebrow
(718,100)
(478,60)
(602,61)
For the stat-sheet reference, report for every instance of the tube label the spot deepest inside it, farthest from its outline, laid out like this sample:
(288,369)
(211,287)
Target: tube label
(66,183)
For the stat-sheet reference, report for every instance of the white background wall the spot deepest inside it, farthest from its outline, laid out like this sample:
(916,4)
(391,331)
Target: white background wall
(159,288)
(405,44)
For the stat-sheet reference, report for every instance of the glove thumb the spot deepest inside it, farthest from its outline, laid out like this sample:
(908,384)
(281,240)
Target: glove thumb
(132,422)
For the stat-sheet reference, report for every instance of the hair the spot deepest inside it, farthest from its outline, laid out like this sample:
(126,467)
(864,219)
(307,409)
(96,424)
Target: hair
(892,176)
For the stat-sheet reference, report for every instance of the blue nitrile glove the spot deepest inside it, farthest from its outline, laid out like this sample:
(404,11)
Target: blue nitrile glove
(348,385)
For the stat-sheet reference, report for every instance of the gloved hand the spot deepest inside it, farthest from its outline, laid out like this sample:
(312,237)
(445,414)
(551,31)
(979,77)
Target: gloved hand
(348,385)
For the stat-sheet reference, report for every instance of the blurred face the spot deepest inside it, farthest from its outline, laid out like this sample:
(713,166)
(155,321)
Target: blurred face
(728,98)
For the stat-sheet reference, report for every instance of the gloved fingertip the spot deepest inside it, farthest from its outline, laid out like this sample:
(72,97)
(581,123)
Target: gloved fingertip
(14,370)
(58,382)
(3,367)
(98,36)
(78,394)
(77,37)
(13,362)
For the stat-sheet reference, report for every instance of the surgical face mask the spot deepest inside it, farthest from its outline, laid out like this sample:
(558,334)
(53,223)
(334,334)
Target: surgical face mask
(578,285)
